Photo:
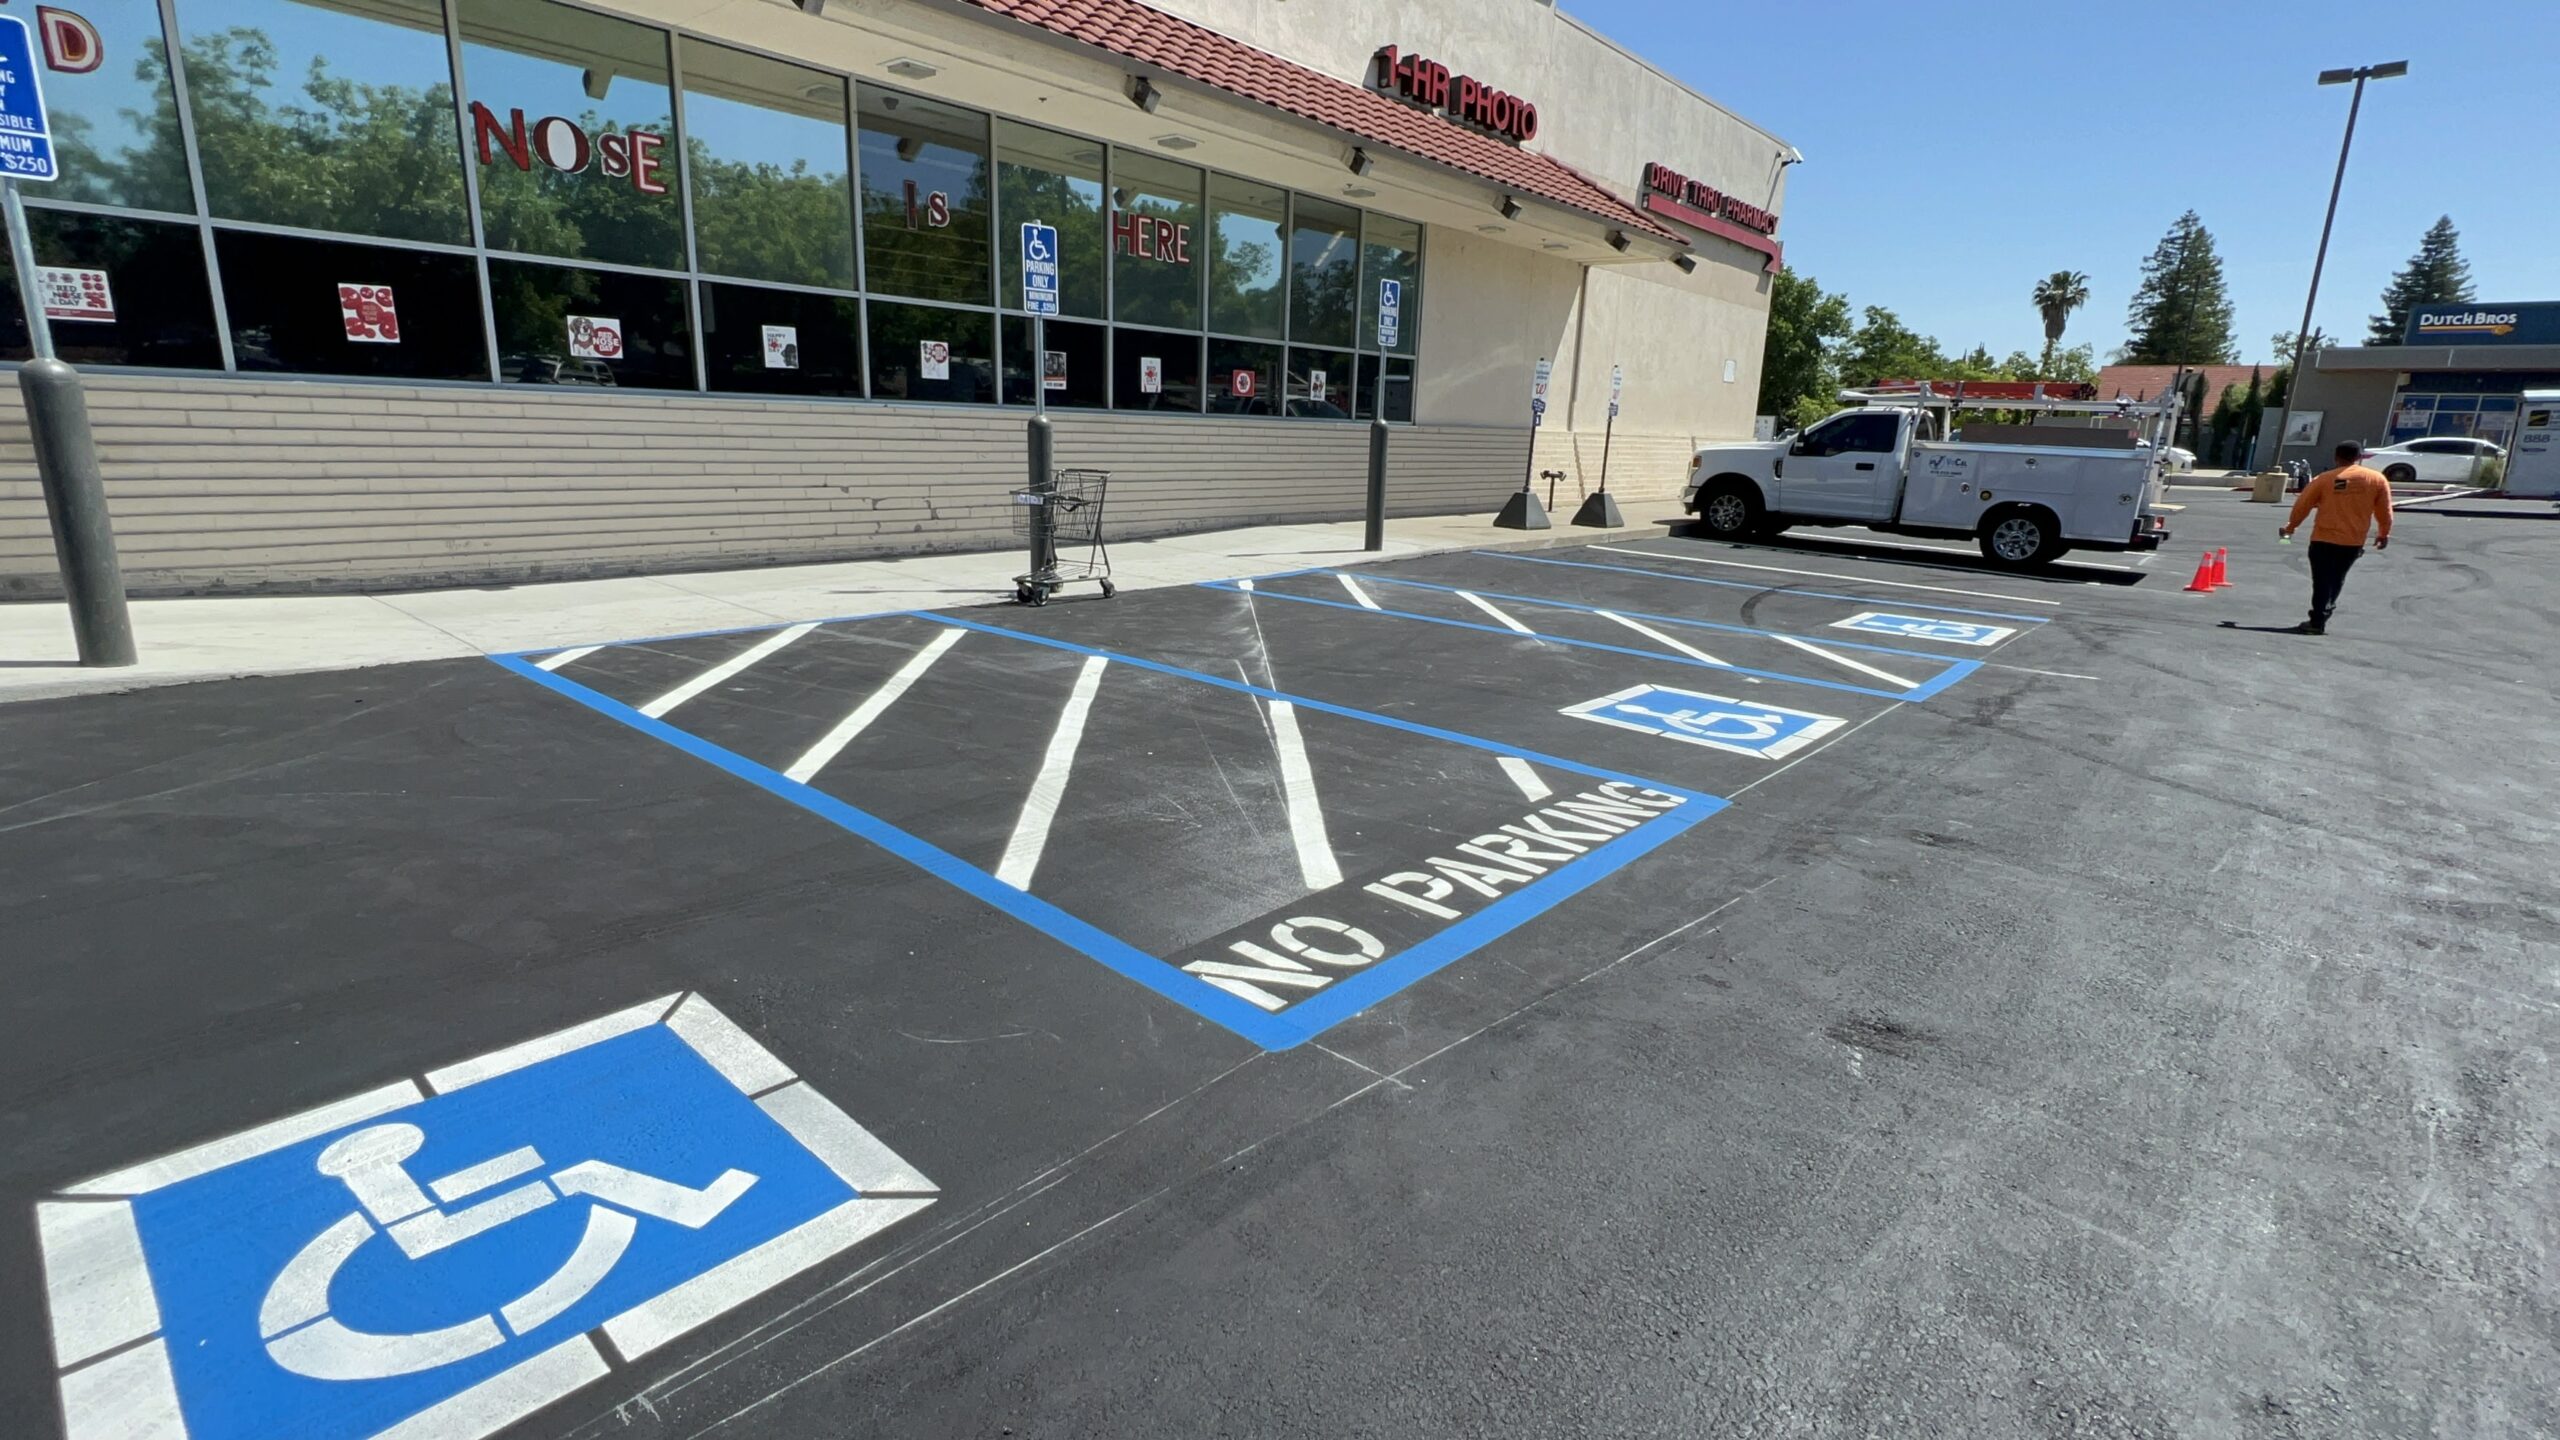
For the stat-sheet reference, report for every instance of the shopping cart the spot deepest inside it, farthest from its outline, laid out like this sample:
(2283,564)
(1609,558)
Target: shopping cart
(1064,519)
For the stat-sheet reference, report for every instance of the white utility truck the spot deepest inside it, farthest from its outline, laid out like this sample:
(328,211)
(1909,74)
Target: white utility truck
(2027,493)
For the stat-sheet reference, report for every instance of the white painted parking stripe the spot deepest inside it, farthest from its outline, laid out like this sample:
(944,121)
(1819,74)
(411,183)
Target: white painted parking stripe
(725,671)
(644,1328)
(842,1144)
(95,1281)
(1306,814)
(567,657)
(132,1396)
(1836,657)
(890,692)
(275,1135)
(561,1042)
(1650,633)
(726,1048)
(1526,777)
(1828,575)
(1488,607)
(503,1399)
(1356,592)
(1040,807)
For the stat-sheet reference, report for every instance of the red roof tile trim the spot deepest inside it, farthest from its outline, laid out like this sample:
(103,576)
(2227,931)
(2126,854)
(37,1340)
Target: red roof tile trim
(1176,46)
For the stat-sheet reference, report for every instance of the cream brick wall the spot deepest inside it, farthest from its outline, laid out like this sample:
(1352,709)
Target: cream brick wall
(250,485)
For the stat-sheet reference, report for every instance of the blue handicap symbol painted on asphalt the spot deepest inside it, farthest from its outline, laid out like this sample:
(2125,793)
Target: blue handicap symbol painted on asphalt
(456,1251)
(1742,727)
(1923,627)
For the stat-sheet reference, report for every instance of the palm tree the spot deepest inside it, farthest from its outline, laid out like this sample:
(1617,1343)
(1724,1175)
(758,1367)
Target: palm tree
(2057,295)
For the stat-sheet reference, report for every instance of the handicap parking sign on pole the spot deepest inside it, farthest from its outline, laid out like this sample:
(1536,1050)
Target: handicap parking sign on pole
(1039,268)
(1390,312)
(1742,727)
(437,1259)
(26,137)
(1924,627)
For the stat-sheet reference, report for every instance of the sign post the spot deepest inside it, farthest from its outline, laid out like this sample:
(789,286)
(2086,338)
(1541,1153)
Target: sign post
(1390,329)
(75,492)
(1600,511)
(1040,299)
(1522,511)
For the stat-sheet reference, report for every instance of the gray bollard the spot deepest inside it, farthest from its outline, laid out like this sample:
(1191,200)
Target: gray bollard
(1044,482)
(75,497)
(1374,536)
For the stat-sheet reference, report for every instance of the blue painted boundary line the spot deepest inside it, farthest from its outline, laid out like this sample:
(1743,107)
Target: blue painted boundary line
(1281,1031)
(1661,656)
(1864,600)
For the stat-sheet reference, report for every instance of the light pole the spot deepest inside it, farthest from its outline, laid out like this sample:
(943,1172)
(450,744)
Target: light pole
(2302,337)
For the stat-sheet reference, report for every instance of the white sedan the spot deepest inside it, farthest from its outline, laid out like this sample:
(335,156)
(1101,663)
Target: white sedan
(2445,459)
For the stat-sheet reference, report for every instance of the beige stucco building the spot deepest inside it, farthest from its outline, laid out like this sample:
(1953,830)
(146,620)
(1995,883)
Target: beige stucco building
(375,293)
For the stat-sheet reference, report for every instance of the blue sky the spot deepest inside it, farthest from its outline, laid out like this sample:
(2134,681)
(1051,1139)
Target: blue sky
(1954,155)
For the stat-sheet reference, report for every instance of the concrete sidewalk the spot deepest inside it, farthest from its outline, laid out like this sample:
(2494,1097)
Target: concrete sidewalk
(218,638)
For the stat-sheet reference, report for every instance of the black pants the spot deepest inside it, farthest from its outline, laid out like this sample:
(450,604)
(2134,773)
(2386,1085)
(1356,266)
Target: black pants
(2329,567)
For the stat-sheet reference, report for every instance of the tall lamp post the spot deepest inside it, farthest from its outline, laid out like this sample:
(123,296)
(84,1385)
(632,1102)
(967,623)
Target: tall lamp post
(2264,491)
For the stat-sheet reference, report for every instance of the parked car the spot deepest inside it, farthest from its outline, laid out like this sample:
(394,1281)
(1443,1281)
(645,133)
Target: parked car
(2179,459)
(2446,459)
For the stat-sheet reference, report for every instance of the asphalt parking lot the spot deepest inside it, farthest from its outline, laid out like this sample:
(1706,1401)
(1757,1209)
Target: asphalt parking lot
(1813,987)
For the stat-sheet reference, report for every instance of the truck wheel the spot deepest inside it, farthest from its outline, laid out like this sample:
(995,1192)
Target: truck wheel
(2020,538)
(1730,511)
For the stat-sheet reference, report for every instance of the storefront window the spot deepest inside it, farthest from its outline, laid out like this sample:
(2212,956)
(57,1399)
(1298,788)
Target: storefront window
(1319,384)
(1391,249)
(765,149)
(1078,369)
(1324,270)
(573,132)
(1399,406)
(924,352)
(924,199)
(781,342)
(1244,378)
(132,292)
(1153,370)
(326,117)
(1246,296)
(115,119)
(559,326)
(1057,180)
(333,307)
(1155,241)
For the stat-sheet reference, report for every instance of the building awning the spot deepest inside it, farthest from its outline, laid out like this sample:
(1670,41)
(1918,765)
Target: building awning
(1174,46)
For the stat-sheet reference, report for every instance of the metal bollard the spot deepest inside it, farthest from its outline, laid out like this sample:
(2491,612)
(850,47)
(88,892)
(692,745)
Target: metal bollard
(75,495)
(1044,483)
(1375,536)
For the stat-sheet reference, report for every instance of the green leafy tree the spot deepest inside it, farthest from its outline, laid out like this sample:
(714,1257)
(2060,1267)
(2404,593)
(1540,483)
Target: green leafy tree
(1884,348)
(2056,296)
(759,219)
(1798,367)
(2181,313)
(2075,366)
(2436,275)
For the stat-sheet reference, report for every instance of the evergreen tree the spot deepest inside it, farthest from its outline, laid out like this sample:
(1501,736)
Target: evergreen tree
(2436,275)
(2181,315)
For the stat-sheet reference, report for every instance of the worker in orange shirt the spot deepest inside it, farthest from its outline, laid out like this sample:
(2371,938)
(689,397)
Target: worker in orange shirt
(2351,500)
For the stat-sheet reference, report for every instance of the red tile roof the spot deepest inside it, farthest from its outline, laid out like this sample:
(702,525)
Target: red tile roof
(1176,46)
(2147,382)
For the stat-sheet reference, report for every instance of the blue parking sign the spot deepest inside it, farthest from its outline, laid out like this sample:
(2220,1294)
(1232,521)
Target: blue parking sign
(26,137)
(1924,627)
(437,1258)
(1742,727)
(1039,268)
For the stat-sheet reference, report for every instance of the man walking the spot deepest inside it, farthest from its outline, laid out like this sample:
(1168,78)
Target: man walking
(2351,499)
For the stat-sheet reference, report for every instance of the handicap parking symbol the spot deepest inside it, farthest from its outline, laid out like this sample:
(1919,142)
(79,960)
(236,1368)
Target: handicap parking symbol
(438,1260)
(1770,732)
(1922,627)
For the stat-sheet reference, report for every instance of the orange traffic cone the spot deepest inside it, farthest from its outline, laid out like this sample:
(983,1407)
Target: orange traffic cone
(2221,569)
(2203,583)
